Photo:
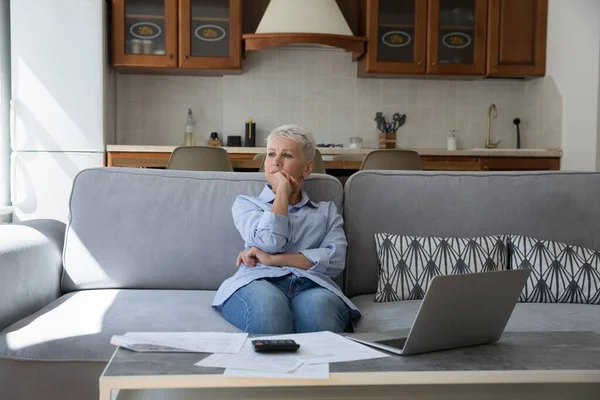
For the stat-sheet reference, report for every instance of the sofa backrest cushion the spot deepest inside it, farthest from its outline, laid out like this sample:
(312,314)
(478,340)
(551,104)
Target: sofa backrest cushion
(160,229)
(559,206)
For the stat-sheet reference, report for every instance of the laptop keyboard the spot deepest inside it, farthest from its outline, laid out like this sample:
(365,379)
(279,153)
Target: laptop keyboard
(397,343)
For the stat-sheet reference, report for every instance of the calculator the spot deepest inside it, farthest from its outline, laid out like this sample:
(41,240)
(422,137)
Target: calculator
(275,346)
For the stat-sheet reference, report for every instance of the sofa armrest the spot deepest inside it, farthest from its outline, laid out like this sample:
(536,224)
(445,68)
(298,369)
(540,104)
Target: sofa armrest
(30,267)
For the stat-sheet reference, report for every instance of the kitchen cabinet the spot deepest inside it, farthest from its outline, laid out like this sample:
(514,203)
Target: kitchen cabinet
(456,37)
(438,37)
(472,38)
(145,33)
(177,35)
(517,38)
(519,164)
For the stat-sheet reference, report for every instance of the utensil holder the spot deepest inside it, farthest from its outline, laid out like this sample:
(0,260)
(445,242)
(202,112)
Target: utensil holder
(387,140)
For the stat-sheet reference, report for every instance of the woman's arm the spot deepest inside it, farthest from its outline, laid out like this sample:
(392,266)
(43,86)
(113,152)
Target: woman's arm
(266,230)
(328,259)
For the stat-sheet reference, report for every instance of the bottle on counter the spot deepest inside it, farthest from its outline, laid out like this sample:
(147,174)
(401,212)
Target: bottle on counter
(451,141)
(189,136)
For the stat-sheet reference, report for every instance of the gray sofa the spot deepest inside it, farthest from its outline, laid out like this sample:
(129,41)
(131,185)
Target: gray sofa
(145,250)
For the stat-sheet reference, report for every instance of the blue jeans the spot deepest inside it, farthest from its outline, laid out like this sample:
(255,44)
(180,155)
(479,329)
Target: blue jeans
(286,304)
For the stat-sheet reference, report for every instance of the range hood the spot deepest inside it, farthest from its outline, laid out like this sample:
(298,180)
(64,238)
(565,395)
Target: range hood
(304,22)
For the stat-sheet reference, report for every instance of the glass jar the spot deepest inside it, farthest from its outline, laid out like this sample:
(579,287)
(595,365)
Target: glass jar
(355,143)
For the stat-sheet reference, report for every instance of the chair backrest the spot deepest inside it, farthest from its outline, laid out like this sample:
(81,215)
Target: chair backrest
(200,158)
(394,159)
(318,164)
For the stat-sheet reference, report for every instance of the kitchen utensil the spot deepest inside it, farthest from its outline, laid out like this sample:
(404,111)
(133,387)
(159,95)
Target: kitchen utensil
(517,122)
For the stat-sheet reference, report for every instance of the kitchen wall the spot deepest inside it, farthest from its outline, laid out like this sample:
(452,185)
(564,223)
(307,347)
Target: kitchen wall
(319,89)
(575,69)
(4,111)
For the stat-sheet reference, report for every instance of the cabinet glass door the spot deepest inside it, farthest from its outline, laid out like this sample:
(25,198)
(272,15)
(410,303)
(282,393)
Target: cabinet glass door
(145,33)
(396,32)
(456,36)
(145,27)
(211,33)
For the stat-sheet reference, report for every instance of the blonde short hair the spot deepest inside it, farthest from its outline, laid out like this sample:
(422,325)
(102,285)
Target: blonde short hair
(299,134)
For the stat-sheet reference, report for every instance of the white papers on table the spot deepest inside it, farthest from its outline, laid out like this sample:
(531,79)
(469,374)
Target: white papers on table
(327,347)
(280,363)
(316,371)
(197,342)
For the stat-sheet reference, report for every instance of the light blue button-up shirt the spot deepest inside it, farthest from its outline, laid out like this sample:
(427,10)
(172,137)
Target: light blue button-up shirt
(313,229)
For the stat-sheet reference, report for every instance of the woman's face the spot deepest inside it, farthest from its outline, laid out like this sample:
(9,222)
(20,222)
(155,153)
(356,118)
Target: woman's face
(285,154)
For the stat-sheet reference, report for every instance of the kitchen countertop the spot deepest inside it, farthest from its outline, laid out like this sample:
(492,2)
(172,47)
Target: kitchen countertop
(338,150)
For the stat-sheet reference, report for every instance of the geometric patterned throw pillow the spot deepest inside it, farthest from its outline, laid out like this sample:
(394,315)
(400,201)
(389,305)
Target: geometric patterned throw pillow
(560,273)
(407,264)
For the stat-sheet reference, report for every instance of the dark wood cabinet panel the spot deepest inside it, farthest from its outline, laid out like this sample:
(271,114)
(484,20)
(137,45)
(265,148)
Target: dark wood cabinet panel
(517,38)
(252,12)
(350,10)
(519,164)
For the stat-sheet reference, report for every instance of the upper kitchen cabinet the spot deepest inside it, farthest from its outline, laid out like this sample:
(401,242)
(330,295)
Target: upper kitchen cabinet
(517,38)
(145,33)
(178,36)
(396,31)
(440,37)
(456,37)
(210,34)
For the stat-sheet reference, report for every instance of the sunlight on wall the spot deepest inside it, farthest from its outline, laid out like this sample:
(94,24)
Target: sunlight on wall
(38,111)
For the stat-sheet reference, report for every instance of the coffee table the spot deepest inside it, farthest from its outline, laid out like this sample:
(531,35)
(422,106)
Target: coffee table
(522,365)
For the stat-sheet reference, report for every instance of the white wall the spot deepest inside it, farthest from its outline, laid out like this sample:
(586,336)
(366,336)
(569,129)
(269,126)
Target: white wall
(574,63)
(4,107)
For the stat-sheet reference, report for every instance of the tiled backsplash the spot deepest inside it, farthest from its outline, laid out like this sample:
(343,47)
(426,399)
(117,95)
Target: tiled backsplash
(319,90)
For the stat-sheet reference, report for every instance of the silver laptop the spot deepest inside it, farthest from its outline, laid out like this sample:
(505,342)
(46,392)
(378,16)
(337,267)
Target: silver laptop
(458,311)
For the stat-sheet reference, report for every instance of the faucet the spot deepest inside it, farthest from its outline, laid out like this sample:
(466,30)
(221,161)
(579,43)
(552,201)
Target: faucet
(488,139)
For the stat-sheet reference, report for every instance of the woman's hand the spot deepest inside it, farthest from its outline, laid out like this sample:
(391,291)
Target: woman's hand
(281,182)
(252,256)
(294,183)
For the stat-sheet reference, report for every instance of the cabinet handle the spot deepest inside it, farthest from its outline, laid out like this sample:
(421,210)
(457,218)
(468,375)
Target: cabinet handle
(433,64)
(186,56)
(171,56)
(419,63)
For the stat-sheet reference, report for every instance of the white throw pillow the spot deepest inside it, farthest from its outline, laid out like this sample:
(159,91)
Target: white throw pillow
(407,264)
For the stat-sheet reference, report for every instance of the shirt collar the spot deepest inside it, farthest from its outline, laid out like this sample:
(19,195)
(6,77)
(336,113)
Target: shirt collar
(268,196)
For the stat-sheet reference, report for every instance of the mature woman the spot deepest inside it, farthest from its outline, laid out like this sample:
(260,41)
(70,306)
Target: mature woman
(293,249)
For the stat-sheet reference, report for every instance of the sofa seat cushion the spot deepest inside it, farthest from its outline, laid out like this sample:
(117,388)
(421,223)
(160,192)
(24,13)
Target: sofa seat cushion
(78,326)
(531,317)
